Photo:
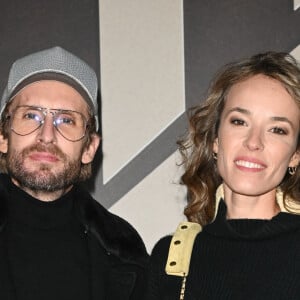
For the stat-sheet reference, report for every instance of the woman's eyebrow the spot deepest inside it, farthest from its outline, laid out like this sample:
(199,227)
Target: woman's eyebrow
(283,119)
(239,109)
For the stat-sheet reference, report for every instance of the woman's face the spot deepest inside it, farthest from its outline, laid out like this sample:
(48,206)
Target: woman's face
(257,137)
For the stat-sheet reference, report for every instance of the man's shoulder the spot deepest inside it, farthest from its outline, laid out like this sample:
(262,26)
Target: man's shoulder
(95,212)
(115,223)
(113,232)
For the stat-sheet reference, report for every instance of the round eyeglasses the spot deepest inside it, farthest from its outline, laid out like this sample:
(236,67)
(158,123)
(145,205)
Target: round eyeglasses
(24,120)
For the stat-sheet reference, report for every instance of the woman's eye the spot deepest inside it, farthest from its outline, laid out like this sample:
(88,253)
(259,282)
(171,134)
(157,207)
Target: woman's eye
(237,122)
(278,130)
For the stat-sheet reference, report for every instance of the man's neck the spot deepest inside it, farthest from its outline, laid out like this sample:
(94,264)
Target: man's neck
(45,196)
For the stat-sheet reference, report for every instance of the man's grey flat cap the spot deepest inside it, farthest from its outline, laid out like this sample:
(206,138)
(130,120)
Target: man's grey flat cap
(53,64)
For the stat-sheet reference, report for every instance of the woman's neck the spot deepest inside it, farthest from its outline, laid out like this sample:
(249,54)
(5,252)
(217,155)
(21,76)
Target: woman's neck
(250,207)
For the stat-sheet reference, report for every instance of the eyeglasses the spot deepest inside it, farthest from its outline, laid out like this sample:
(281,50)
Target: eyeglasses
(27,119)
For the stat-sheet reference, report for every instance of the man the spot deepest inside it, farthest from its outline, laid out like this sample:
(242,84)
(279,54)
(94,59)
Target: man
(56,241)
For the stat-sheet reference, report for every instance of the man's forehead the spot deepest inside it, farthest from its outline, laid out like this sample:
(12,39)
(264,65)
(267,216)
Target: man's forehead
(51,94)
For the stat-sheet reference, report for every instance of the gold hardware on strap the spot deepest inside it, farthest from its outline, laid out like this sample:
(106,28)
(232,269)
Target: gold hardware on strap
(180,251)
(181,247)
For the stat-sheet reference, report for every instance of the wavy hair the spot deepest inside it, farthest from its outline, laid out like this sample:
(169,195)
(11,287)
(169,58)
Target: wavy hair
(201,175)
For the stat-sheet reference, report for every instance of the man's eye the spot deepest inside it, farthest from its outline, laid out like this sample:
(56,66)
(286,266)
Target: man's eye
(65,120)
(278,130)
(68,121)
(32,116)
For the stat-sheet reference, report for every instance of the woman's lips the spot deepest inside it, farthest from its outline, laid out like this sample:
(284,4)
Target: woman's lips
(249,164)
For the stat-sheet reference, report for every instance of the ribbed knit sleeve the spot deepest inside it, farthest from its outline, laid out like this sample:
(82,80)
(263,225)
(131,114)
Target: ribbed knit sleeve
(161,285)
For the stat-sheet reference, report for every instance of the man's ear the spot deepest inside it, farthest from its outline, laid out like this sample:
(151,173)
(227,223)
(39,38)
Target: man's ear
(3,144)
(91,149)
(295,159)
(216,145)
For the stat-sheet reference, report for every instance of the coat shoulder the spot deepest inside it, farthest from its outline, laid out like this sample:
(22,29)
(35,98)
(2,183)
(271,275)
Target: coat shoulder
(115,234)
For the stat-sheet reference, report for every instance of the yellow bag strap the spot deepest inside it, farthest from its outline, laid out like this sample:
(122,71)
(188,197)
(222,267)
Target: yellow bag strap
(181,248)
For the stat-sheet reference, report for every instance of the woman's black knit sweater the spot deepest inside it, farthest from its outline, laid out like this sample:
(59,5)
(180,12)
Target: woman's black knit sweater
(235,259)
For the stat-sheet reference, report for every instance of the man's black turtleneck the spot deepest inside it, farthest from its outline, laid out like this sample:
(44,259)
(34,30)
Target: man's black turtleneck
(68,249)
(47,249)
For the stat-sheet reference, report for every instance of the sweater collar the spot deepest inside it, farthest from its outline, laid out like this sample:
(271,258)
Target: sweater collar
(29,211)
(286,221)
(287,206)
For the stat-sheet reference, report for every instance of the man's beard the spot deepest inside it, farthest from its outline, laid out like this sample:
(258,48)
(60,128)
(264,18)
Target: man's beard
(43,178)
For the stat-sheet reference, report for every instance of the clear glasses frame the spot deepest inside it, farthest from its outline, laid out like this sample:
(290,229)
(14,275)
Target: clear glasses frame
(26,119)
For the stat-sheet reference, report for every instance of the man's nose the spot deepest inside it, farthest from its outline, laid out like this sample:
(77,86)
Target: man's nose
(47,131)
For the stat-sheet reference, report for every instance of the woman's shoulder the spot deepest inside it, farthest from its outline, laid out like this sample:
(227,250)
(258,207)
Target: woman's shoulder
(179,244)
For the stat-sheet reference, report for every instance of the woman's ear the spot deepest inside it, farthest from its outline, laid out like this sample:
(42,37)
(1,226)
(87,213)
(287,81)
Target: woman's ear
(216,145)
(295,159)
(91,149)
(3,144)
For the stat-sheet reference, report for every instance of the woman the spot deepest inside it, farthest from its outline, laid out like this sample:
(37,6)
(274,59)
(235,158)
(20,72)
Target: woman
(241,159)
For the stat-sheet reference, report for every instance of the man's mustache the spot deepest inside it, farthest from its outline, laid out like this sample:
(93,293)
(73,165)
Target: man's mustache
(52,149)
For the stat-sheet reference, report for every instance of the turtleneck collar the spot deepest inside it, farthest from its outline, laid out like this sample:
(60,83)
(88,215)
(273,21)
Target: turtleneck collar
(25,209)
(251,229)
(286,205)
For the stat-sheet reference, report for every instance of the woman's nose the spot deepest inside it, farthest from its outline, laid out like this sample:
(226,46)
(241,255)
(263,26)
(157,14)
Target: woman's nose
(254,140)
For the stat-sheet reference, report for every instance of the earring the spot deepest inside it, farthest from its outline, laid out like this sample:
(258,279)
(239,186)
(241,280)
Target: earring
(215,156)
(292,170)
